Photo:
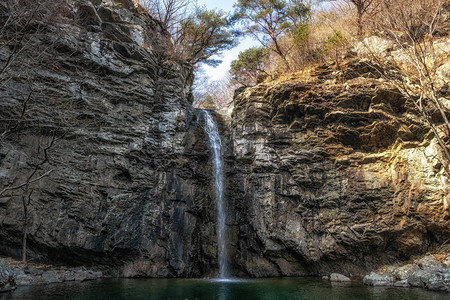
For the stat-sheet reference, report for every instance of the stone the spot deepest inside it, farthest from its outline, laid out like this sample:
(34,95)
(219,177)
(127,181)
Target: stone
(7,281)
(419,278)
(446,261)
(13,274)
(439,281)
(32,270)
(401,283)
(50,276)
(374,279)
(426,262)
(402,273)
(83,275)
(336,277)
(69,275)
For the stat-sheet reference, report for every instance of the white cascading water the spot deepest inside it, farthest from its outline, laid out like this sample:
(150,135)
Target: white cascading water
(216,149)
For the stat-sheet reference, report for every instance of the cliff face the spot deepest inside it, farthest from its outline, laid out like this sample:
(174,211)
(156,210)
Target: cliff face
(332,171)
(127,179)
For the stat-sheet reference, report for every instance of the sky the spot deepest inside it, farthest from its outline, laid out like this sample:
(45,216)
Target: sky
(227,56)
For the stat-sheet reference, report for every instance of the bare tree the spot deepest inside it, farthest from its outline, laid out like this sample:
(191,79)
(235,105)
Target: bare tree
(29,36)
(170,12)
(217,94)
(36,174)
(362,7)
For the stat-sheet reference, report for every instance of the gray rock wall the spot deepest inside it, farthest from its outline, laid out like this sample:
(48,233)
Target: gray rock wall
(129,184)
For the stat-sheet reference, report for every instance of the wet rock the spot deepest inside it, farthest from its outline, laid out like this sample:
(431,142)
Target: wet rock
(402,273)
(375,279)
(130,171)
(439,281)
(401,283)
(428,272)
(14,273)
(83,275)
(51,276)
(21,278)
(32,270)
(69,275)
(7,281)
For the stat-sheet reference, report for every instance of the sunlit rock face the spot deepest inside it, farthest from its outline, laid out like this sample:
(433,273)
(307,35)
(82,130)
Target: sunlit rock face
(332,171)
(129,182)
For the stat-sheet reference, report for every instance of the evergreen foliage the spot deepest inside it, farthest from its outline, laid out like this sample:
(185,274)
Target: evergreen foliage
(249,65)
(269,20)
(203,34)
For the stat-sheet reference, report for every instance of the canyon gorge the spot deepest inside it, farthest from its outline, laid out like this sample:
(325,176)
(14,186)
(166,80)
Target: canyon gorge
(327,170)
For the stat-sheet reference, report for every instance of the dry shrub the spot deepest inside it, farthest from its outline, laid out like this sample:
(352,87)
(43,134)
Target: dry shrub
(406,20)
(324,24)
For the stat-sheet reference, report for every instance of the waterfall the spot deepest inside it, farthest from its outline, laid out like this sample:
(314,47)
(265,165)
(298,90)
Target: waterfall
(216,149)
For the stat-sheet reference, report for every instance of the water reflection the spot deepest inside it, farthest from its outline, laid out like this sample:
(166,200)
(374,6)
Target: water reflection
(190,289)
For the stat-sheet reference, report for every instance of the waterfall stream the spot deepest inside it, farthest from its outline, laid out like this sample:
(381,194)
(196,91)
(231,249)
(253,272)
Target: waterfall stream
(216,150)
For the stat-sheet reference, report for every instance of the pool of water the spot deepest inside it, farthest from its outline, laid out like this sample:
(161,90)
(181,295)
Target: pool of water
(202,289)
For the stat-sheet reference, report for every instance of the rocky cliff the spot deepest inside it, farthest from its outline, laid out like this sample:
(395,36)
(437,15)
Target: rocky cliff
(126,182)
(332,170)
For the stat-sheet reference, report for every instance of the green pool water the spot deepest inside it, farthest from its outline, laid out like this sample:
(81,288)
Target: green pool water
(201,289)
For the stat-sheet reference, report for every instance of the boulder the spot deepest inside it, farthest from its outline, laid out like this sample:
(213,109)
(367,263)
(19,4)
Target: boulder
(7,281)
(439,281)
(51,276)
(374,279)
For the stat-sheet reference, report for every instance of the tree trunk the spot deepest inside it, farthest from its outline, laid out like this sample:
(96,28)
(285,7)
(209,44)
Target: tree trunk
(24,245)
(281,54)
(359,23)
(25,222)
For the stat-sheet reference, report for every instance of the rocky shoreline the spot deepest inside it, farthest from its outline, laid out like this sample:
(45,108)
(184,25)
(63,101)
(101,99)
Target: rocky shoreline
(15,273)
(431,272)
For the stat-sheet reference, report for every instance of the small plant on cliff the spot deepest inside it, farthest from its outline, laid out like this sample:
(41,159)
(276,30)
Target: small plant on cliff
(334,46)
(169,12)
(213,94)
